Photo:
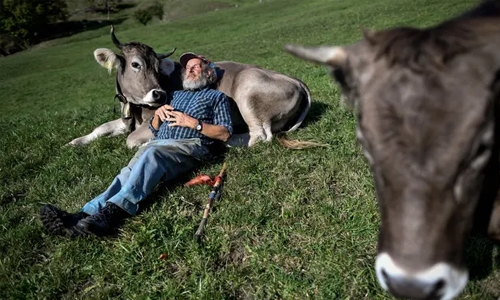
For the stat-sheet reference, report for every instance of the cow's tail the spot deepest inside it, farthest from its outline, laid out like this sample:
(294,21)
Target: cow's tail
(297,144)
(304,112)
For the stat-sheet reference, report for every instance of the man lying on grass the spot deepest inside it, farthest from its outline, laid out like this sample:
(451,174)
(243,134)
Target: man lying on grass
(185,131)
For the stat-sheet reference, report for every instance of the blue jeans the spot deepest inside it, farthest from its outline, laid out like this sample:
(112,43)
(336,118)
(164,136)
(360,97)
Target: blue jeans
(154,161)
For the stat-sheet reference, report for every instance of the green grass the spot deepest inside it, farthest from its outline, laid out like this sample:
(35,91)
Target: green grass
(291,224)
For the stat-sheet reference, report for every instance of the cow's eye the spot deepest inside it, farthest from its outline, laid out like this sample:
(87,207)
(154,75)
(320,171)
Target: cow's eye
(483,153)
(483,150)
(136,65)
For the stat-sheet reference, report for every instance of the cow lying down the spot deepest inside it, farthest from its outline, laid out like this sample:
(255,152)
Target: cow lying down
(263,102)
(427,102)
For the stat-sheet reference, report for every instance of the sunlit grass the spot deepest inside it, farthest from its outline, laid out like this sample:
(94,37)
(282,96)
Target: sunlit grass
(291,224)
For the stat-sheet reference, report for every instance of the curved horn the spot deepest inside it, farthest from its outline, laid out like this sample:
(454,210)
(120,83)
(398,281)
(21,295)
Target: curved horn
(165,55)
(114,39)
(335,56)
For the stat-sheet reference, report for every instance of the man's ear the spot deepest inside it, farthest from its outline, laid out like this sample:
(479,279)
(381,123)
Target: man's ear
(107,58)
(167,66)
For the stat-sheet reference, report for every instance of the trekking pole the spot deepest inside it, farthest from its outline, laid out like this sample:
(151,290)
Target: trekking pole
(215,194)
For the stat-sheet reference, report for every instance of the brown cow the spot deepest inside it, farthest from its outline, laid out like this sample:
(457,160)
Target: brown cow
(428,122)
(263,102)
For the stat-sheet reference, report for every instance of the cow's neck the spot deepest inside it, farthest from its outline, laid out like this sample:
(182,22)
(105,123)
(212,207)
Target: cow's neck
(125,104)
(490,191)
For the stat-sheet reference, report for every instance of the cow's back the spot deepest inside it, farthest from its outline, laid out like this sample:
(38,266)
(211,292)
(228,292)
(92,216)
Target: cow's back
(267,94)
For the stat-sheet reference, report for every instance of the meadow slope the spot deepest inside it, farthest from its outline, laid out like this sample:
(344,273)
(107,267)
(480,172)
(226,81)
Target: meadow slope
(291,224)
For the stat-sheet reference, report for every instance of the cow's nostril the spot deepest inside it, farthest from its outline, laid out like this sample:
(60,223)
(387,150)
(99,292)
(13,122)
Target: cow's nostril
(158,95)
(384,273)
(438,286)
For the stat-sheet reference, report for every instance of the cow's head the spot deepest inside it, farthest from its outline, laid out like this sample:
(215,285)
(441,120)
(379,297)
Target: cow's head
(139,71)
(425,105)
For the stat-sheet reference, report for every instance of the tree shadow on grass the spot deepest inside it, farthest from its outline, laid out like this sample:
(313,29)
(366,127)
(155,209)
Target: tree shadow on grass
(10,45)
(65,29)
(122,6)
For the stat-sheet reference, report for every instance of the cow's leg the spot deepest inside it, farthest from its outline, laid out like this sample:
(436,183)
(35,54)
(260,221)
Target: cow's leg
(494,225)
(141,135)
(267,131)
(112,128)
(255,126)
(259,131)
(256,134)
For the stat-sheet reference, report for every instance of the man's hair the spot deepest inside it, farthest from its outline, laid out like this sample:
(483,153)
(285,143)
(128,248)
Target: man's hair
(208,70)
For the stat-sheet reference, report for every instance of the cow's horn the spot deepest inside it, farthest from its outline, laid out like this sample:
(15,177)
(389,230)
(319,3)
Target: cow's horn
(335,56)
(114,39)
(165,55)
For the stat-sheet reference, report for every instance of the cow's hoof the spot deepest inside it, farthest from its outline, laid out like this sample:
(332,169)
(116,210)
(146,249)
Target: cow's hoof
(75,142)
(254,140)
(134,145)
(81,141)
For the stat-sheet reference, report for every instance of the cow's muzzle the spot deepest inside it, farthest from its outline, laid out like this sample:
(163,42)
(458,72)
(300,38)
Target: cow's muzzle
(155,97)
(441,281)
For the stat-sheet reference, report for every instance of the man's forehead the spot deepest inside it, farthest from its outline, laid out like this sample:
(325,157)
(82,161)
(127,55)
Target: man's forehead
(194,61)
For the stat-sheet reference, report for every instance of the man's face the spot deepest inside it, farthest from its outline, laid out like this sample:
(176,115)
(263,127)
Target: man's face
(193,76)
(193,69)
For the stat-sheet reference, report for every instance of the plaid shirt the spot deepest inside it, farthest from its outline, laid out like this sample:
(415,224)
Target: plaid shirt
(207,105)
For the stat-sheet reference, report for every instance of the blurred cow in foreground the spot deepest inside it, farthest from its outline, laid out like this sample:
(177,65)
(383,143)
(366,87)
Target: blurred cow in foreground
(263,102)
(428,122)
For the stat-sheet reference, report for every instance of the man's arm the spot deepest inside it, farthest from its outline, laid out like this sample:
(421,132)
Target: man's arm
(217,132)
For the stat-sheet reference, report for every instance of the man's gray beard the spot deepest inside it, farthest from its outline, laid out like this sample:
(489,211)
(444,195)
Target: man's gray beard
(198,83)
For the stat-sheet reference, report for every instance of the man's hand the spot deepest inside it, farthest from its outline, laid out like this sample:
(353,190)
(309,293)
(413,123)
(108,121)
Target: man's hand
(161,112)
(177,118)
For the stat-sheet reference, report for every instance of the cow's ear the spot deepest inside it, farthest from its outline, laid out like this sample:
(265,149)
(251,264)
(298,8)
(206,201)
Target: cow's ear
(107,58)
(335,57)
(167,66)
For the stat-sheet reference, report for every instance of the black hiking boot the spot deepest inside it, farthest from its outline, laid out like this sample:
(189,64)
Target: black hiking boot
(60,222)
(105,222)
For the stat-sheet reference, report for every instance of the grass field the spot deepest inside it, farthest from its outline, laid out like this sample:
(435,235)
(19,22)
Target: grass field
(291,224)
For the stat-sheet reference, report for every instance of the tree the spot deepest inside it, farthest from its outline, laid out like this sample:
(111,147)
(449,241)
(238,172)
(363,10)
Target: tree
(156,9)
(103,5)
(22,19)
(145,15)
